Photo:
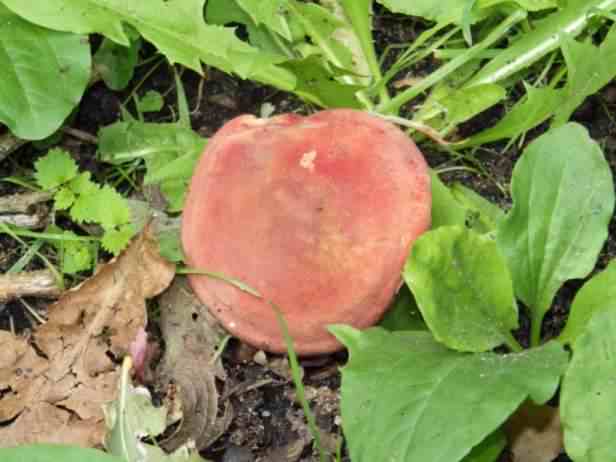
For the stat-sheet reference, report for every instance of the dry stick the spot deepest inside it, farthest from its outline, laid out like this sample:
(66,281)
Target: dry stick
(81,135)
(21,203)
(41,283)
(35,221)
(16,209)
(9,144)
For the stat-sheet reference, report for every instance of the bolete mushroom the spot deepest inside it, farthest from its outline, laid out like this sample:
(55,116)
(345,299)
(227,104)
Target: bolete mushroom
(316,213)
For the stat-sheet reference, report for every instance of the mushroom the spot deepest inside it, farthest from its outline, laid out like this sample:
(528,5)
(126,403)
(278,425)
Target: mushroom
(316,213)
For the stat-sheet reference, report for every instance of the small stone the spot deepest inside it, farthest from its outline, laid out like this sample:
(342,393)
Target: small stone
(260,358)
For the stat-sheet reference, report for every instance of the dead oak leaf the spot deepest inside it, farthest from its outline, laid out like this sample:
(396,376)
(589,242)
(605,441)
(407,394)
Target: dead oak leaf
(53,384)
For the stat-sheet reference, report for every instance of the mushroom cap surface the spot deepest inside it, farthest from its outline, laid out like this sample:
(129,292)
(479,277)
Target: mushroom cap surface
(316,213)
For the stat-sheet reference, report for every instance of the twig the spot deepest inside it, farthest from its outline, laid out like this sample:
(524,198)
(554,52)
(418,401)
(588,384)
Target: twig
(81,135)
(21,203)
(9,144)
(32,312)
(16,209)
(421,128)
(22,220)
(41,283)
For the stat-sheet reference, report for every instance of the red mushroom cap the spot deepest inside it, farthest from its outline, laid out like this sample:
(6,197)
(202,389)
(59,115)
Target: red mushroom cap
(316,213)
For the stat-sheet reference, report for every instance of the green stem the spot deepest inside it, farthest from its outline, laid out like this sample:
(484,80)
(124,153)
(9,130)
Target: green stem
(452,65)
(512,343)
(535,329)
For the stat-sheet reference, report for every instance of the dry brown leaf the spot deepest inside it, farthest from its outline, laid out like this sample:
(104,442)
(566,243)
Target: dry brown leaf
(190,367)
(534,433)
(56,381)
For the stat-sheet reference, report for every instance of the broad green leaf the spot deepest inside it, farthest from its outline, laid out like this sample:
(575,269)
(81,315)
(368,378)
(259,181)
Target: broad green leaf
(63,198)
(105,207)
(44,75)
(483,215)
(327,31)
(443,11)
(317,85)
(54,169)
(403,314)
(179,168)
(544,38)
(223,12)
(461,105)
(272,13)
(55,453)
(558,222)
(116,239)
(83,184)
(489,449)
(169,150)
(76,256)
(539,105)
(588,397)
(463,288)
(446,210)
(459,205)
(455,11)
(589,68)
(152,101)
(402,392)
(530,5)
(598,294)
(175,27)
(116,63)
(170,245)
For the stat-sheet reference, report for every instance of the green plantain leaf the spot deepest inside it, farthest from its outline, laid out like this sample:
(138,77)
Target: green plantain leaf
(44,75)
(403,314)
(558,222)
(489,449)
(483,215)
(446,210)
(598,294)
(588,398)
(589,68)
(463,288)
(406,398)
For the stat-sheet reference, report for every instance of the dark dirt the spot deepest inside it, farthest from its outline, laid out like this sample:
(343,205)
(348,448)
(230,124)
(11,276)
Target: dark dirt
(269,422)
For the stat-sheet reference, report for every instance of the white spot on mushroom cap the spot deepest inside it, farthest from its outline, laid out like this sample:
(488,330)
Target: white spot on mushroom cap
(307,160)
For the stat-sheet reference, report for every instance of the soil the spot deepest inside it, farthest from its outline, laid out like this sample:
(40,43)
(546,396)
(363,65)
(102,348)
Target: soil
(268,419)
